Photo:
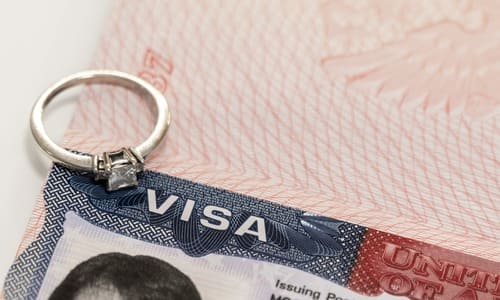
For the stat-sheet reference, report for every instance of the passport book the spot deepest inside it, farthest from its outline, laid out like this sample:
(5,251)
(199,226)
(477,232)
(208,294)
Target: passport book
(318,150)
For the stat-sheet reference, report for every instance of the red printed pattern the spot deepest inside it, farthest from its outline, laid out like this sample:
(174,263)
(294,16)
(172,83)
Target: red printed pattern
(403,267)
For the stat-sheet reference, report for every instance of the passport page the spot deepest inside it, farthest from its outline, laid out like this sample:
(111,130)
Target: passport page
(381,116)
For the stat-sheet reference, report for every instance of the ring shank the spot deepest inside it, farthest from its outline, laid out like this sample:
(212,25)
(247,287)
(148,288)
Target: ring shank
(84,162)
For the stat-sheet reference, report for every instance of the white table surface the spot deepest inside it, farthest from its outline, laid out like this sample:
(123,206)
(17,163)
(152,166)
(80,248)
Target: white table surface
(40,42)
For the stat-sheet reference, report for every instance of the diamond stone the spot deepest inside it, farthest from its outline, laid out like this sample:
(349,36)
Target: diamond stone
(121,176)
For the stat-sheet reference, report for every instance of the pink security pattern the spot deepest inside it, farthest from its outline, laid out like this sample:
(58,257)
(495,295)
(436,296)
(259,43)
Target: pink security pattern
(437,55)
(263,105)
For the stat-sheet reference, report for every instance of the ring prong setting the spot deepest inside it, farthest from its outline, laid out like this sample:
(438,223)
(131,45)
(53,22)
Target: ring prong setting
(118,168)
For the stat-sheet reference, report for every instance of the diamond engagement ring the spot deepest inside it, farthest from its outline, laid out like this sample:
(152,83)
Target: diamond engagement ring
(119,168)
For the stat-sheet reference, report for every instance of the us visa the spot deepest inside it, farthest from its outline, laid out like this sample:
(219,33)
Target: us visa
(171,238)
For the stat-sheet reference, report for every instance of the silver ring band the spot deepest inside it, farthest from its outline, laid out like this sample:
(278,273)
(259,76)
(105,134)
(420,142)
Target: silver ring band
(94,163)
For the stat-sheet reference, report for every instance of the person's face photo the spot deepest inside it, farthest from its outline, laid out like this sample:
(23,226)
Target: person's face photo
(114,276)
